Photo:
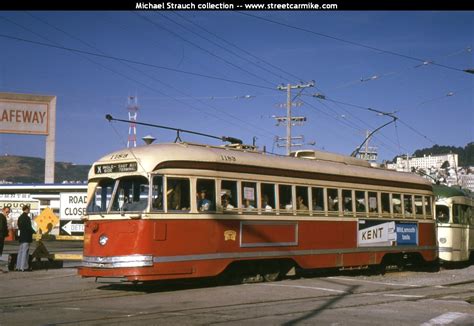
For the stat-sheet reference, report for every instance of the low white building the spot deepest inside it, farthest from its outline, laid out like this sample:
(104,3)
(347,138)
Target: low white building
(426,162)
(467,181)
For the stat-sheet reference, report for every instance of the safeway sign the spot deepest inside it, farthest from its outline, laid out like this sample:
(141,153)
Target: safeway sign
(73,205)
(24,117)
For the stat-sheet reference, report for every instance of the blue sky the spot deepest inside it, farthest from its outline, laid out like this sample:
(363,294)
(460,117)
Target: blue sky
(89,87)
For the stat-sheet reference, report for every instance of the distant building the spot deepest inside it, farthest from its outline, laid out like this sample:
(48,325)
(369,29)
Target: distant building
(467,181)
(425,162)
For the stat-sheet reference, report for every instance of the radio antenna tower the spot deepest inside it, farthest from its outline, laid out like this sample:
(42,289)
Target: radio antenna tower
(132,109)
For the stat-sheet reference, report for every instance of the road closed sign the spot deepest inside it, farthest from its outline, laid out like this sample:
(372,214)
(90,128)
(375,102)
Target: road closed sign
(73,205)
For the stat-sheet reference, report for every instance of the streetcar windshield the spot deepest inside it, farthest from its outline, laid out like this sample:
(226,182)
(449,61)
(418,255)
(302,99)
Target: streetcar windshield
(131,195)
(101,196)
(442,213)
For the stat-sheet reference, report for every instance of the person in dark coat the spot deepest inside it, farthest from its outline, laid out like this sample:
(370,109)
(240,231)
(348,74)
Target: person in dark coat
(3,227)
(26,237)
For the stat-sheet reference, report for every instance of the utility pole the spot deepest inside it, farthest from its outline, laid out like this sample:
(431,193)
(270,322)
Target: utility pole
(289,119)
(370,152)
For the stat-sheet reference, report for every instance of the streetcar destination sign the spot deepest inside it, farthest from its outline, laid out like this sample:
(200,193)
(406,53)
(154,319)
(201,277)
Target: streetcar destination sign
(115,168)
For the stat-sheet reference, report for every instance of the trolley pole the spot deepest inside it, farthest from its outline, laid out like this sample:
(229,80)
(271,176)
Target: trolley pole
(288,89)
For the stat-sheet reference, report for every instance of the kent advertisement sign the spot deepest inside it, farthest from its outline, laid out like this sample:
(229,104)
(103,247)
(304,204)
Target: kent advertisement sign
(386,233)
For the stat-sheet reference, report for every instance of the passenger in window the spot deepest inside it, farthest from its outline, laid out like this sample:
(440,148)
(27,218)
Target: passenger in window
(360,207)
(204,204)
(158,202)
(300,205)
(348,206)
(265,204)
(225,199)
(248,205)
(289,206)
(332,204)
(316,206)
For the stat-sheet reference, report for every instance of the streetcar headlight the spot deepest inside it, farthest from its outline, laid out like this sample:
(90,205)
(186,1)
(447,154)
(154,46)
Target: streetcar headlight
(442,240)
(103,240)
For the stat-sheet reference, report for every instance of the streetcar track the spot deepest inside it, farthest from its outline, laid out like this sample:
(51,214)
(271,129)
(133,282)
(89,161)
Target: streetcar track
(144,316)
(96,293)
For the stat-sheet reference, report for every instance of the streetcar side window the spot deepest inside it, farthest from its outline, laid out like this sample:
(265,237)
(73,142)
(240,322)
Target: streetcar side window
(347,202)
(459,214)
(397,203)
(206,195)
(249,196)
(268,197)
(418,205)
(373,203)
(286,198)
(178,194)
(131,195)
(361,205)
(442,213)
(333,200)
(101,197)
(385,201)
(302,200)
(228,195)
(470,215)
(428,205)
(157,193)
(318,199)
(408,204)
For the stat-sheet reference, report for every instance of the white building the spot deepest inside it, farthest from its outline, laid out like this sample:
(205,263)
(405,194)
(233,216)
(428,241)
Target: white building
(425,162)
(467,181)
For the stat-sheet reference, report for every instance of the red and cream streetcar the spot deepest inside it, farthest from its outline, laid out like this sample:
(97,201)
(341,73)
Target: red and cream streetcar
(183,210)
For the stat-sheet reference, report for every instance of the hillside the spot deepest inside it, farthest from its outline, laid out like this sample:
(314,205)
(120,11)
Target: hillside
(22,169)
(466,154)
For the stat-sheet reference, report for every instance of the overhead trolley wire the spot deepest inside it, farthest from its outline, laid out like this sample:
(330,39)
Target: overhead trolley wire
(6,36)
(242,50)
(348,41)
(136,69)
(160,26)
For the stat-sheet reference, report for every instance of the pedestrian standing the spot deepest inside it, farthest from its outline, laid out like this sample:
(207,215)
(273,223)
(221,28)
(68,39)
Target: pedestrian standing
(26,237)
(3,227)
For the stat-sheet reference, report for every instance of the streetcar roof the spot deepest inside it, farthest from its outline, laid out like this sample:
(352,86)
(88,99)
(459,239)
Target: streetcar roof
(152,157)
(447,192)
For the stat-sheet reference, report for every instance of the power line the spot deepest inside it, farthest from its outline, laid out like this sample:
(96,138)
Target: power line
(145,73)
(359,127)
(376,77)
(217,44)
(349,42)
(130,61)
(242,50)
(234,52)
(374,110)
(160,26)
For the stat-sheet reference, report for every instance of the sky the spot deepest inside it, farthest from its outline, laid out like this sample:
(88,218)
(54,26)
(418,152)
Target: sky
(217,72)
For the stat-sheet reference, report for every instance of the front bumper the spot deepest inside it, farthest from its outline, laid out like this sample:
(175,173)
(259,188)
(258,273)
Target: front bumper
(117,261)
